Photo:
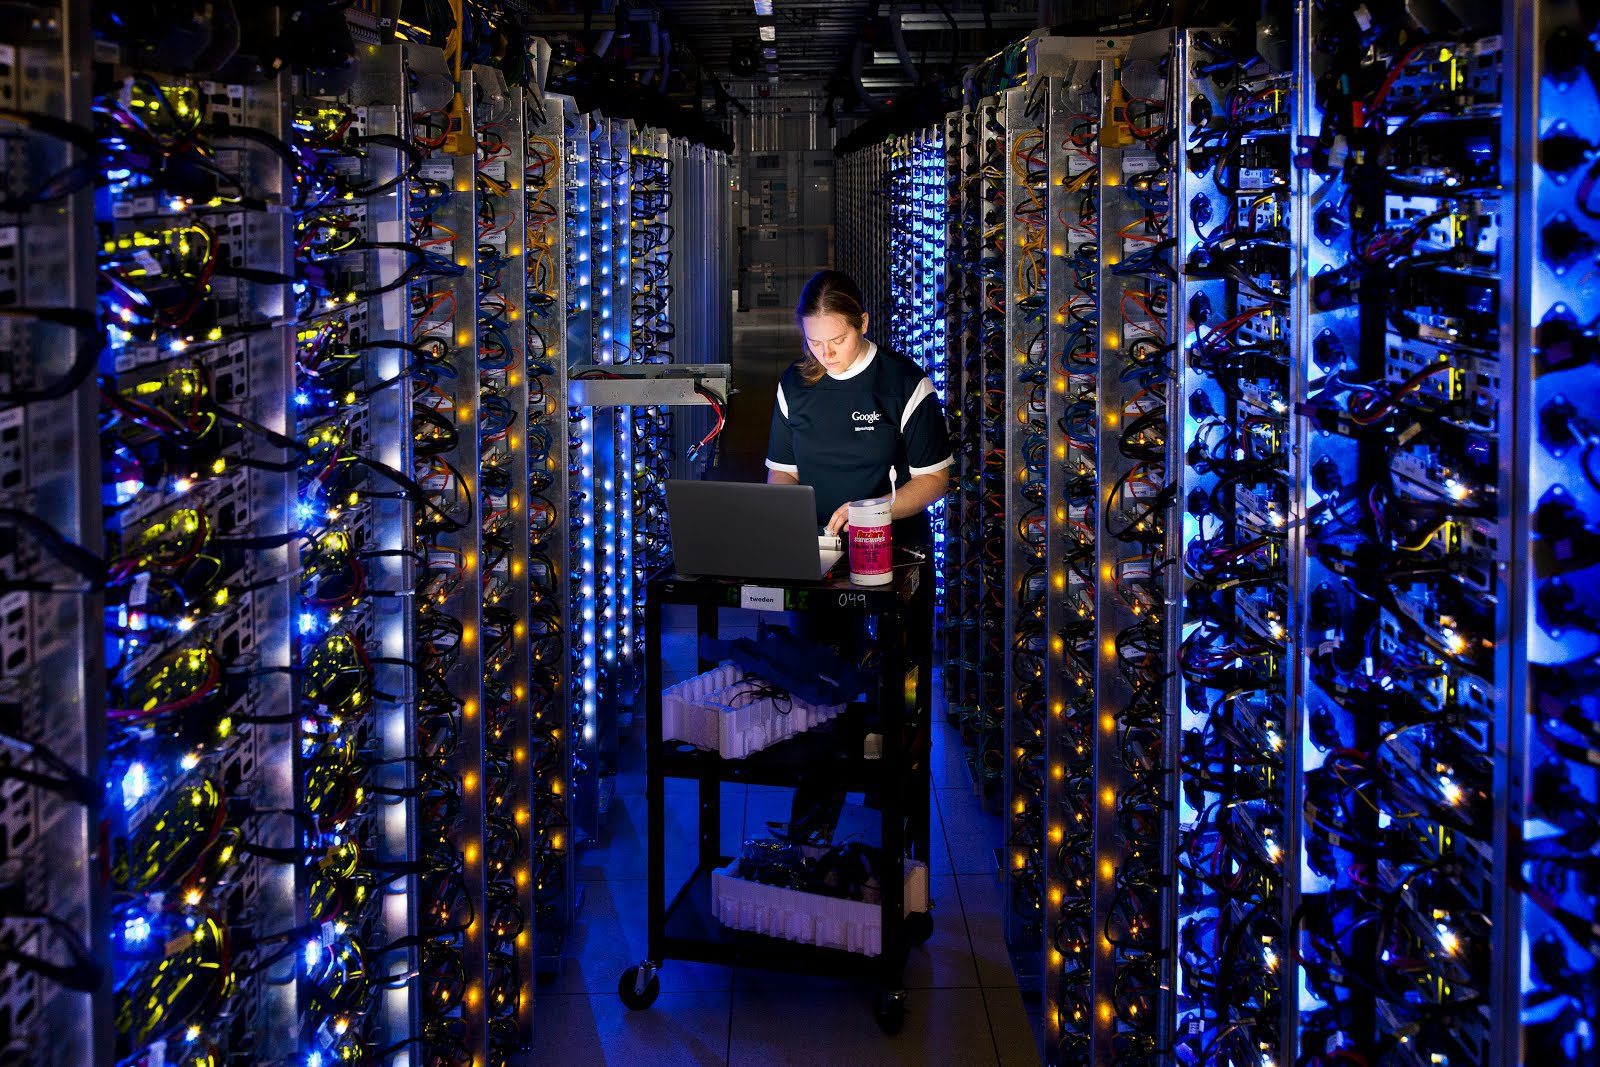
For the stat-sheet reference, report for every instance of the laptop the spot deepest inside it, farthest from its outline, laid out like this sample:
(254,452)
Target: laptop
(748,530)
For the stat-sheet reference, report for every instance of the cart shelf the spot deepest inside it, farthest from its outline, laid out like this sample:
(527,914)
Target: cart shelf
(832,750)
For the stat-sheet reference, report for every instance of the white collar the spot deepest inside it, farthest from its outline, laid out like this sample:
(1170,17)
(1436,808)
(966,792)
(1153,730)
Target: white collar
(860,365)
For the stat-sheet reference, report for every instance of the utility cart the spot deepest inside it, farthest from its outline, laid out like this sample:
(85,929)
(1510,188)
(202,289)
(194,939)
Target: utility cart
(895,620)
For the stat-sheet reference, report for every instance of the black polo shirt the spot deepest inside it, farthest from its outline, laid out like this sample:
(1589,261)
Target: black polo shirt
(842,435)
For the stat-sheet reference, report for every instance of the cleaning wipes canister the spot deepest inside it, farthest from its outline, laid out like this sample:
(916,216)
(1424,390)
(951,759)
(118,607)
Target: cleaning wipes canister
(871,541)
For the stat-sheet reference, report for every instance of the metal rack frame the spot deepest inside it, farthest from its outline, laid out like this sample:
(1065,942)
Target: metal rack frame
(54,674)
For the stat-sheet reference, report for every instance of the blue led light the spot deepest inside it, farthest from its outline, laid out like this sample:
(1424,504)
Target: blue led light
(135,784)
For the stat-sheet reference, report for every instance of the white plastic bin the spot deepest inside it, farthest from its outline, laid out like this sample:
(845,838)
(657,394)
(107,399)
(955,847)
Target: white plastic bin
(809,918)
(717,711)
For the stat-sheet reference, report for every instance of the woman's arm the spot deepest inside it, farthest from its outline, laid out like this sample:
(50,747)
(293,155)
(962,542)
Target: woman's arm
(781,478)
(919,492)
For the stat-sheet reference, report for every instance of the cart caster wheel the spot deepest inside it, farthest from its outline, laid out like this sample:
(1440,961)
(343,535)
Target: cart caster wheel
(891,1011)
(635,997)
(919,927)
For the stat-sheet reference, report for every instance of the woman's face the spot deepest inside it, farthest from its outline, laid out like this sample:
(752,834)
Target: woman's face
(833,341)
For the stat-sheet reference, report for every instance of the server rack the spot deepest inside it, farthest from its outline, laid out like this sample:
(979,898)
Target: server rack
(1073,351)
(961,671)
(556,679)
(620,160)
(1234,678)
(371,414)
(502,314)
(1408,538)
(608,463)
(196,598)
(930,335)
(1546,791)
(52,667)
(336,552)
(1027,224)
(991,468)
(1132,617)
(957,342)
(581,623)
(650,283)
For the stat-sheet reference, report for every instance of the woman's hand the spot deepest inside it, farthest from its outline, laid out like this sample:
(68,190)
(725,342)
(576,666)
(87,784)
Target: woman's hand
(840,518)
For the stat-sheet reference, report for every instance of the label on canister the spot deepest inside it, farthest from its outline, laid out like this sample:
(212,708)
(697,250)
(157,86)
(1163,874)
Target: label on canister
(871,542)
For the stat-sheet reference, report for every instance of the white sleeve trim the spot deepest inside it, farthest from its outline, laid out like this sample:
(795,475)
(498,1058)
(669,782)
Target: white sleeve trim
(922,392)
(783,401)
(948,461)
(790,468)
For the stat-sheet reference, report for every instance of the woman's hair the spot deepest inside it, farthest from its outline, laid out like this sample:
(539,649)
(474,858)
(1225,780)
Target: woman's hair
(829,292)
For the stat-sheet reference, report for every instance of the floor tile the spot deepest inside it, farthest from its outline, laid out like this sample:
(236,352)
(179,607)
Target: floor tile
(949,763)
(1014,1036)
(1034,1006)
(938,845)
(631,768)
(982,903)
(610,936)
(943,1026)
(945,961)
(624,852)
(679,1030)
(971,834)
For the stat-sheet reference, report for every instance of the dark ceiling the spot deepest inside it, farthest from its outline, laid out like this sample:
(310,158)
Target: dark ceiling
(816,38)
(811,36)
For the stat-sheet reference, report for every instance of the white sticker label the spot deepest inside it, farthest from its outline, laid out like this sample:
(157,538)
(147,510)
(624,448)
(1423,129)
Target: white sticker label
(1140,162)
(760,598)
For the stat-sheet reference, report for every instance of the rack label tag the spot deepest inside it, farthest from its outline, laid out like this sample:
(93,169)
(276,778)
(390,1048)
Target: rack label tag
(760,598)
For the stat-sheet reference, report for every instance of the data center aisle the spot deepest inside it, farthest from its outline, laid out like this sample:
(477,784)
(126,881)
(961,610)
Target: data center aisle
(965,1006)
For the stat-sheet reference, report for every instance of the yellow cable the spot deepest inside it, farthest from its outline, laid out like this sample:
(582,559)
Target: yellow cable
(458,138)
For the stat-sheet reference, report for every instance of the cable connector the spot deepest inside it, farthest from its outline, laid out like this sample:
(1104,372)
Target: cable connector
(1115,131)
(458,137)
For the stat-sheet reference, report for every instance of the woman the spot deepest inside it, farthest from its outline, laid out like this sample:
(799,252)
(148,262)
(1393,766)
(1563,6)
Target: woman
(849,416)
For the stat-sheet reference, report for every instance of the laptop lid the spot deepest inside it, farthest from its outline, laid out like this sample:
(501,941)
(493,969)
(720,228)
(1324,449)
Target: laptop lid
(744,530)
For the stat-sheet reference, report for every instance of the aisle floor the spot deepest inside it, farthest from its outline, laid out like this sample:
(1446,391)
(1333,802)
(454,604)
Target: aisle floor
(965,1007)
